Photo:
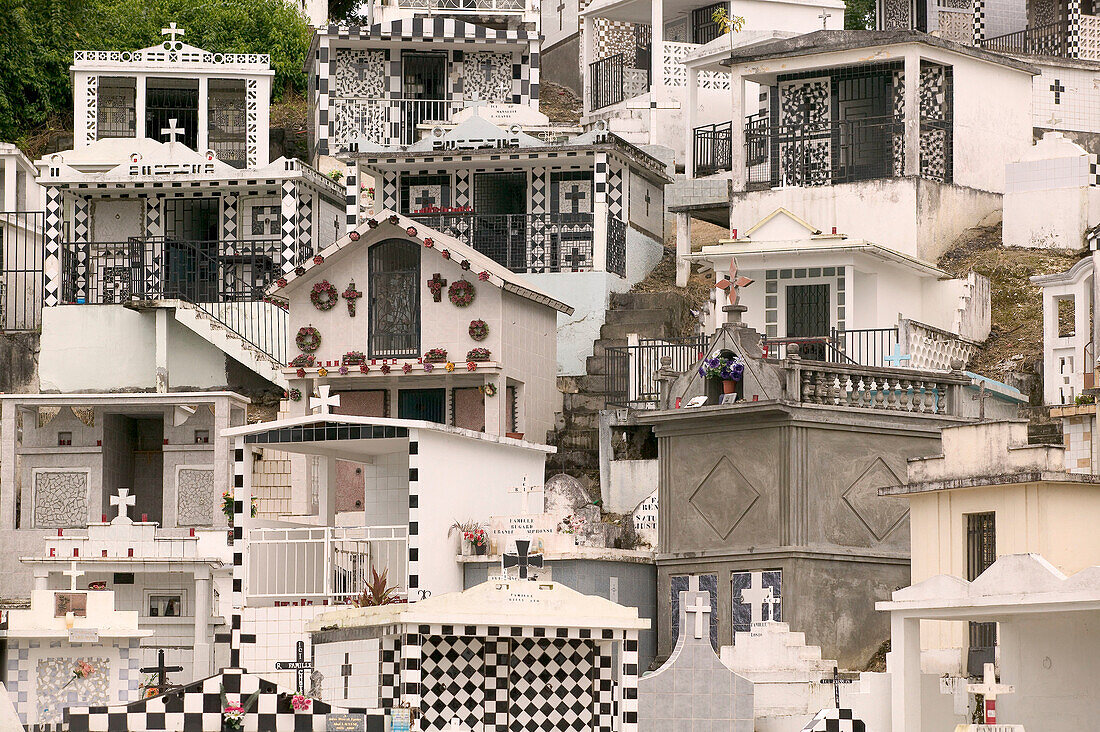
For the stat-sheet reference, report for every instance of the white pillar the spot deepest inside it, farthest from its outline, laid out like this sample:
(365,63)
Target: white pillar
(1091,312)
(162,350)
(41,579)
(223,455)
(495,422)
(683,248)
(588,46)
(691,113)
(202,134)
(139,106)
(326,490)
(657,62)
(912,113)
(905,673)
(739,173)
(7,468)
(203,659)
(11,168)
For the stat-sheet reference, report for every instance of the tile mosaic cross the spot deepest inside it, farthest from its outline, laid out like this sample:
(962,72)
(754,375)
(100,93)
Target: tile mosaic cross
(1058,90)
(756,595)
(575,197)
(299,665)
(521,558)
(897,357)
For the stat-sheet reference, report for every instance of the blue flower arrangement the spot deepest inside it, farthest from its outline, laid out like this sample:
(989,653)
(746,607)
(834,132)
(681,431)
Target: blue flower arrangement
(727,368)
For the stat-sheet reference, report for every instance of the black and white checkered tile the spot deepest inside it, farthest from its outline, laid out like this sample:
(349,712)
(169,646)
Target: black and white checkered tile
(835,720)
(55,216)
(289,226)
(389,672)
(550,685)
(453,681)
(197,707)
(252,123)
(979,21)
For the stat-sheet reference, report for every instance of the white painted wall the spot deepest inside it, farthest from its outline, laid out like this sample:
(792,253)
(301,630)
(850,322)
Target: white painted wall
(454,485)
(790,15)
(631,483)
(80,351)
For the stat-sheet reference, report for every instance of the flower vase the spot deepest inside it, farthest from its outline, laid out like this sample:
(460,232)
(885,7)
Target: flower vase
(480,549)
(729,386)
(466,548)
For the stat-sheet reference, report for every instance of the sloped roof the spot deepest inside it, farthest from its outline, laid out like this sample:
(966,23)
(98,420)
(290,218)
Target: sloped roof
(504,603)
(499,275)
(476,128)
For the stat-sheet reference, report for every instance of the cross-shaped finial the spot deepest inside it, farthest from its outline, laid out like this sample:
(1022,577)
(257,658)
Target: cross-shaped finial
(521,558)
(756,595)
(324,402)
(825,15)
(123,500)
(989,689)
(162,671)
(897,357)
(699,610)
(475,103)
(732,284)
(72,573)
(172,130)
(172,31)
(1053,122)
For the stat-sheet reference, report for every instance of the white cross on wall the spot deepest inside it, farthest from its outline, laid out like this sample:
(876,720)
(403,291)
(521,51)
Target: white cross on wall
(172,30)
(172,130)
(896,359)
(72,573)
(324,402)
(825,15)
(989,688)
(700,610)
(755,596)
(123,500)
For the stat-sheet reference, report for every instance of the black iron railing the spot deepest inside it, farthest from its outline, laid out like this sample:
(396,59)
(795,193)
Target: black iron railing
(841,151)
(1050,39)
(713,148)
(225,280)
(613,79)
(21,284)
(616,246)
(524,242)
(863,347)
(631,371)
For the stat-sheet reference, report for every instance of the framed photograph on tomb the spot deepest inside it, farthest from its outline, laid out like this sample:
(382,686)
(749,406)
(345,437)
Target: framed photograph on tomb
(757,595)
(70,602)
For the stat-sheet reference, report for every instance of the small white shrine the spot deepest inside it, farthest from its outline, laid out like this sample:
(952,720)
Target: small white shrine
(71,646)
(506,654)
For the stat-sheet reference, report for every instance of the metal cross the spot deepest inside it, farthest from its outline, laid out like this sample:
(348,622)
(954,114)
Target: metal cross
(1058,90)
(836,681)
(345,671)
(521,558)
(123,500)
(172,30)
(72,573)
(436,285)
(647,200)
(300,665)
(989,689)
(324,402)
(561,8)
(755,595)
(825,15)
(574,197)
(699,609)
(897,357)
(732,284)
(161,671)
(172,130)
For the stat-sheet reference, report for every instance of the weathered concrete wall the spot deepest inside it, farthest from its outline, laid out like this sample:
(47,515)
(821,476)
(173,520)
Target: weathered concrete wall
(560,64)
(777,486)
(19,362)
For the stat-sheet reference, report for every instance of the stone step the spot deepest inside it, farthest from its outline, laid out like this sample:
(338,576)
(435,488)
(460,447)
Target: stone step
(582,420)
(593,384)
(646,330)
(642,316)
(672,301)
(582,440)
(582,402)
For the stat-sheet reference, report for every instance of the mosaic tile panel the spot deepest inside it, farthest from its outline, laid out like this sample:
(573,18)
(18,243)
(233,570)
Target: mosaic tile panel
(551,685)
(896,15)
(452,682)
(60,499)
(195,497)
(52,677)
(487,75)
(361,73)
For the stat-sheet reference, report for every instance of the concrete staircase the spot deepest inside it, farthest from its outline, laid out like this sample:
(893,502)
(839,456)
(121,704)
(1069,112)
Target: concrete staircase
(225,340)
(647,315)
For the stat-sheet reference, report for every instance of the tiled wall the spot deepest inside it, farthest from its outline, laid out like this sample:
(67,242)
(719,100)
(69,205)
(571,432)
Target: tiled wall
(1077,438)
(350,671)
(1066,99)
(271,484)
(386,500)
(278,630)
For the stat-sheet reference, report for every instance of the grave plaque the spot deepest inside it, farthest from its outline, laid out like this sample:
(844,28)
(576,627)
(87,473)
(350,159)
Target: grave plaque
(645,519)
(401,720)
(84,635)
(346,723)
(540,528)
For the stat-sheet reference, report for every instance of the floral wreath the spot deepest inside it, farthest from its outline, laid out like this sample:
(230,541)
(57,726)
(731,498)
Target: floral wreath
(353,358)
(324,295)
(308,339)
(489,390)
(479,330)
(436,355)
(478,354)
(302,360)
(295,395)
(461,293)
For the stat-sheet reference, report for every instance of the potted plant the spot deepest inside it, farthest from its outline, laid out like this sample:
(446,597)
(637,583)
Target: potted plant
(436,355)
(728,368)
(468,529)
(377,591)
(478,541)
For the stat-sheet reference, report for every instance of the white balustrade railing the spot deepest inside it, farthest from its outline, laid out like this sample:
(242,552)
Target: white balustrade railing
(387,121)
(324,564)
(895,390)
(467,6)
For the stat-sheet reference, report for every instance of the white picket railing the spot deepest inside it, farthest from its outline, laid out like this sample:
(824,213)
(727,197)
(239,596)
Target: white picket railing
(324,563)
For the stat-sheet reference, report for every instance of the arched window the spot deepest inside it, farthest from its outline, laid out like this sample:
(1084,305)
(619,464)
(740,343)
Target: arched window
(394,292)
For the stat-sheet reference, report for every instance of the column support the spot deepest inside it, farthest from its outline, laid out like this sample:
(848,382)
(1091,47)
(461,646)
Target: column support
(905,688)
(912,113)
(203,660)
(683,248)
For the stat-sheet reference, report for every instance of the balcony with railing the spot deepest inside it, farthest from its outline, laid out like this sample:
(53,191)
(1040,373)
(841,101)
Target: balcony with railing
(1049,39)
(537,243)
(386,122)
(323,565)
(713,148)
(224,279)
